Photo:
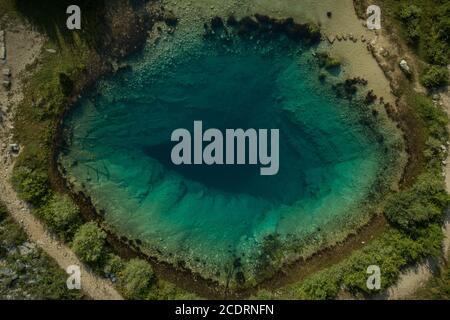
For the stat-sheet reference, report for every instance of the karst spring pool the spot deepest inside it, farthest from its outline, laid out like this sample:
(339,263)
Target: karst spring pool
(220,221)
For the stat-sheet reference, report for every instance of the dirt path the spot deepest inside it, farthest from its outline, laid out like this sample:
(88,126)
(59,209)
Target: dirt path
(23,46)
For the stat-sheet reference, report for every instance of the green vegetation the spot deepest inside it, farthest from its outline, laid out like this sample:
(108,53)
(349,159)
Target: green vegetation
(425,24)
(136,278)
(410,16)
(392,251)
(61,215)
(326,61)
(88,243)
(31,185)
(434,76)
(26,272)
(412,209)
(438,288)
(49,15)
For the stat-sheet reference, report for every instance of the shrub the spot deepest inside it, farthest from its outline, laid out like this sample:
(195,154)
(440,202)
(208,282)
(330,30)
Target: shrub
(410,16)
(31,185)
(443,24)
(434,77)
(61,216)
(417,207)
(324,285)
(136,279)
(326,61)
(11,234)
(436,51)
(113,265)
(410,12)
(435,118)
(89,242)
(262,294)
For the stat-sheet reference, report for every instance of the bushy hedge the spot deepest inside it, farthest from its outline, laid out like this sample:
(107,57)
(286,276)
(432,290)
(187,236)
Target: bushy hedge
(62,216)
(326,61)
(31,185)
(392,251)
(136,279)
(89,243)
(415,208)
(434,77)
(426,27)
(410,15)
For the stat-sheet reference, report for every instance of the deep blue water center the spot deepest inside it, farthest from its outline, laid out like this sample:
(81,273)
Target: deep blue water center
(206,216)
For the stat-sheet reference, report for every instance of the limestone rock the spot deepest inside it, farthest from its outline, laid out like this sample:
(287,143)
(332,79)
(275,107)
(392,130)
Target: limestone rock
(2,51)
(7,84)
(405,67)
(6,72)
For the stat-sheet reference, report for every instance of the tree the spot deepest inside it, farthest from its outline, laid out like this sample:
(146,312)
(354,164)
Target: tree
(89,242)
(31,185)
(136,278)
(62,216)
(434,77)
(416,208)
(411,15)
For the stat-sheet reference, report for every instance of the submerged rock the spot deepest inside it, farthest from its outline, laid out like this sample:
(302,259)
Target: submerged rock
(6,72)
(232,21)
(171,20)
(6,84)
(217,23)
(2,51)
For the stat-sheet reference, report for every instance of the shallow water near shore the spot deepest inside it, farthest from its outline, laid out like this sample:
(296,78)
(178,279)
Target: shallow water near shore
(221,220)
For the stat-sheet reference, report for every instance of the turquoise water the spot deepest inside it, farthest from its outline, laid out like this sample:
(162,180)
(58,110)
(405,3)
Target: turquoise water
(205,217)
